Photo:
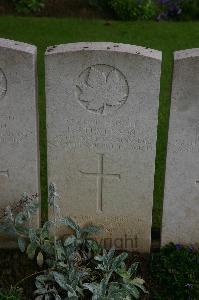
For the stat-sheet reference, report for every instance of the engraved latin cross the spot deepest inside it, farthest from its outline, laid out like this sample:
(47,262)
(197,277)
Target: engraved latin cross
(100,179)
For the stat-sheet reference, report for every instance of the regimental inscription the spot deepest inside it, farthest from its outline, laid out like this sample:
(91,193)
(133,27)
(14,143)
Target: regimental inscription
(100,178)
(187,140)
(102,89)
(9,132)
(100,137)
(3,84)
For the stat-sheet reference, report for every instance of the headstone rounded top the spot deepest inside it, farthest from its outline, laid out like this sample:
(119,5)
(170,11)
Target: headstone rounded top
(18,46)
(188,53)
(104,46)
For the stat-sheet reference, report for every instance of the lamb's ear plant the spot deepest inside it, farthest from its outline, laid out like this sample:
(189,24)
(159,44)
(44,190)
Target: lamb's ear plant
(73,267)
(20,224)
(108,263)
(117,281)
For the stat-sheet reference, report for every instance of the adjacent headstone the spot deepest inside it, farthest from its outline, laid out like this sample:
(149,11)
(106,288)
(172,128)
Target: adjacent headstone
(181,198)
(19,153)
(102,112)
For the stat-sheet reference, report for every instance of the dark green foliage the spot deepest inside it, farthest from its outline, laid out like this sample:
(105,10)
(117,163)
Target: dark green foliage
(150,9)
(178,9)
(190,9)
(28,6)
(100,4)
(128,9)
(125,9)
(12,294)
(117,282)
(176,271)
(133,9)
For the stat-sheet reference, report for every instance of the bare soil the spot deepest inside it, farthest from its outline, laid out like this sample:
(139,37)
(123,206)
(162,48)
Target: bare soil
(15,266)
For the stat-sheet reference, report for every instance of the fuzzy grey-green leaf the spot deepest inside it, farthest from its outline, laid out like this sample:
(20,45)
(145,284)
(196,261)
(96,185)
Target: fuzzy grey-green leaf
(22,244)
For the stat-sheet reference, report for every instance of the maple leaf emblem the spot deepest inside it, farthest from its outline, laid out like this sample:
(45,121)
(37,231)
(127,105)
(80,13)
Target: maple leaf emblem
(3,87)
(102,88)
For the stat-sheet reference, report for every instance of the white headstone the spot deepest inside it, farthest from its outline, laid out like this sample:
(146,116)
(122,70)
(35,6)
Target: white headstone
(181,198)
(19,153)
(102,111)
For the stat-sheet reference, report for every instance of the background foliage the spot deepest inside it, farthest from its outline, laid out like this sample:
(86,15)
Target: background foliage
(133,9)
(123,9)
(27,6)
(150,9)
(176,271)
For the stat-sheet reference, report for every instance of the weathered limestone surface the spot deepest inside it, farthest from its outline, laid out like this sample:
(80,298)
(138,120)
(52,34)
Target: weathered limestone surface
(102,111)
(19,153)
(181,198)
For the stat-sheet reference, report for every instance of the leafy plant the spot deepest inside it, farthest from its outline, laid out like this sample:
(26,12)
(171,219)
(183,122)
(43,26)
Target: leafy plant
(149,9)
(64,283)
(128,9)
(178,9)
(134,9)
(170,9)
(74,266)
(117,282)
(100,4)
(20,224)
(28,6)
(176,270)
(12,294)
(190,9)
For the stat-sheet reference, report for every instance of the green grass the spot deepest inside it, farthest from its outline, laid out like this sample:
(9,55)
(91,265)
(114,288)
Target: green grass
(164,36)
